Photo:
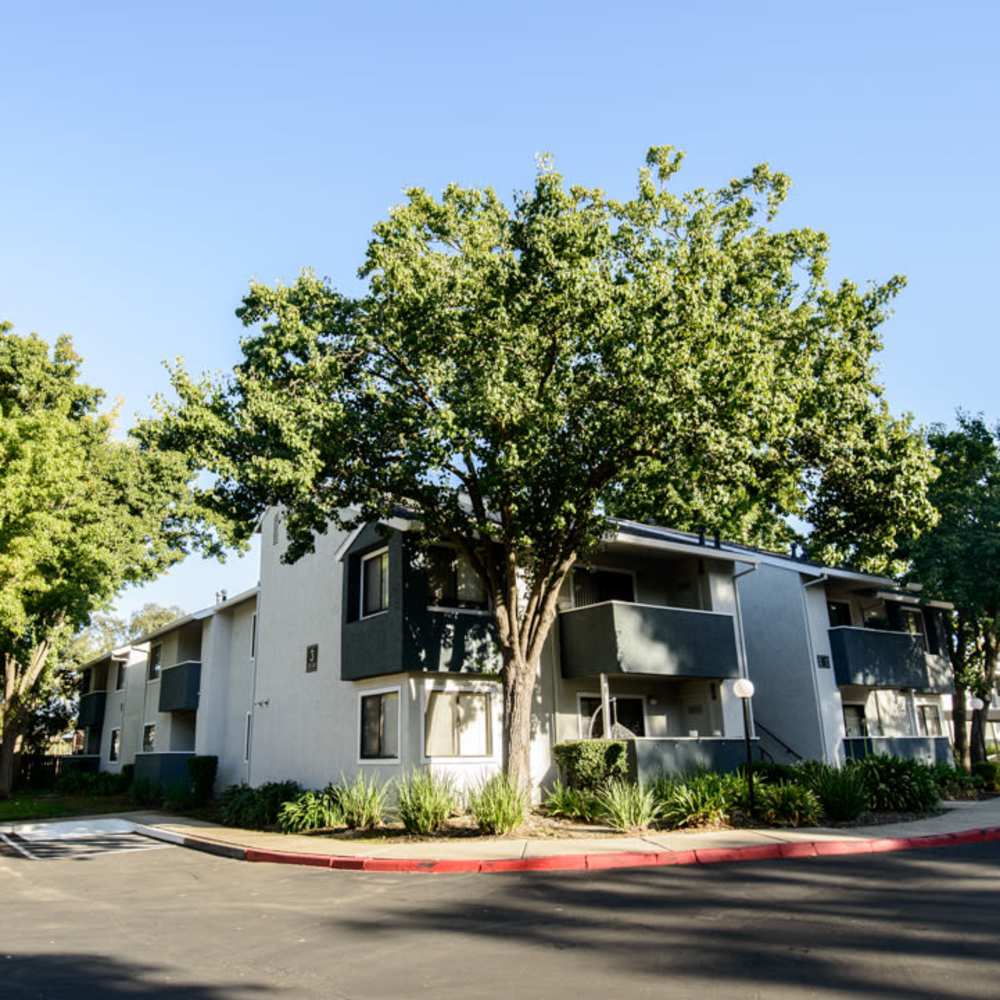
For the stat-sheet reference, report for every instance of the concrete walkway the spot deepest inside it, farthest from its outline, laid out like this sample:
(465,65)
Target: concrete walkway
(970,820)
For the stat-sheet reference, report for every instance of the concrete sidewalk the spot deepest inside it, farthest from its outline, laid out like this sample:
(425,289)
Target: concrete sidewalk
(514,853)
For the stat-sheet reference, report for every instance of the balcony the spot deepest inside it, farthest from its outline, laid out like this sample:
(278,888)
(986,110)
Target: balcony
(874,658)
(929,749)
(653,757)
(91,712)
(179,687)
(163,769)
(618,637)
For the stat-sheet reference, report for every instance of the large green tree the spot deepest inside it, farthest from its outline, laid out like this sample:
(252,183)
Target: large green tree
(81,515)
(516,373)
(958,560)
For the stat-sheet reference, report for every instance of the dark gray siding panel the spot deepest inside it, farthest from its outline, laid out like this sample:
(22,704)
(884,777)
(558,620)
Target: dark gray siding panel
(779,657)
(874,658)
(656,757)
(929,749)
(180,686)
(91,711)
(163,769)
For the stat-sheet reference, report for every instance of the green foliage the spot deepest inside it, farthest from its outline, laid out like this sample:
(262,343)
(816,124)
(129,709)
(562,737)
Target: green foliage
(425,801)
(702,799)
(589,765)
(842,791)
(99,783)
(145,793)
(128,775)
(955,783)
(311,811)
(202,769)
(988,772)
(256,808)
(362,801)
(179,797)
(787,804)
(897,785)
(567,802)
(498,805)
(626,805)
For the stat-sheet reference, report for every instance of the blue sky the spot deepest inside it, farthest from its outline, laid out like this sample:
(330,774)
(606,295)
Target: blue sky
(154,160)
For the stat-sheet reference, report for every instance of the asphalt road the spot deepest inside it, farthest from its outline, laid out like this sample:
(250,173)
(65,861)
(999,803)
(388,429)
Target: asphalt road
(177,924)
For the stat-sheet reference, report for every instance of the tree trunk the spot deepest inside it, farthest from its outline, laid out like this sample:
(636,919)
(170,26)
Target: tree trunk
(959,723)
(518,698)
(977,748)
(8,749)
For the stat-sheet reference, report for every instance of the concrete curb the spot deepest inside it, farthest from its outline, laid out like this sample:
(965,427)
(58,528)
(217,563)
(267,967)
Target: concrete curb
(580,862)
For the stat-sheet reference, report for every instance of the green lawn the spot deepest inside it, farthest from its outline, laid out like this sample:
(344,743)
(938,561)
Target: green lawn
(27,805)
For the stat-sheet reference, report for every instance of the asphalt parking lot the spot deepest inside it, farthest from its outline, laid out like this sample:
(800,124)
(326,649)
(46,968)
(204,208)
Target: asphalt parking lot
(174,923)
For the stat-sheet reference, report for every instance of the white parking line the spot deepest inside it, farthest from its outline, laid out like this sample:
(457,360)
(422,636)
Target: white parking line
(17,847)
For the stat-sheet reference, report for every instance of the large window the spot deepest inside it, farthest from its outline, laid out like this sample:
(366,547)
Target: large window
(115,745)
(928,720)
(119,676)
(913,622)
(149,738)
(626,711)
(375,583)
(593,586)
(155,659)
(458,724)
(839,612)
(453,582)
(855,722)
(380,725)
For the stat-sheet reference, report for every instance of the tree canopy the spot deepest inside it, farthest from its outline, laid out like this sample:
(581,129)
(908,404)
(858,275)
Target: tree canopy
(519,373)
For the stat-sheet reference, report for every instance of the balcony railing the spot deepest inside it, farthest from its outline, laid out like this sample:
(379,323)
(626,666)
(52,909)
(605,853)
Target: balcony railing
(91,711)
(618,637)
(874,658)
(929,749)
(179,687)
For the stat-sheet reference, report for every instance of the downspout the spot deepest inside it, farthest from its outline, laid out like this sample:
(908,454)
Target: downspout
(249,737)
(741,646)
(812,657)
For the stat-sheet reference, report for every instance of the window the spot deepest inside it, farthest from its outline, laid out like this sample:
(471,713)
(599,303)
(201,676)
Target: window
(928,720)
(253,636)
(839,612)
(276,529)
(458,724)
(627,712)
(247,730)
(912,620)
(380,725)
(120,677)
(312,658)
(113,750)
(149,738)
(155,657)
(375,583)
(855,723)
(876,618)
(453,581)
(592,586)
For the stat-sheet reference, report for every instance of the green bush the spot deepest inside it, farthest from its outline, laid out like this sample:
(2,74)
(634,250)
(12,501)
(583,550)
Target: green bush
(202,770)
(988,772)
(99,783)
(589,765)
(772,773)
(787,804)
(178,796)
(897,785)
(955,783)
(702,799)
(425,801)
(145,793)
(256,808)
(128,776)
(362,802)
(566,802)
(311,811)
(842,793)
(498,805)
(627,805)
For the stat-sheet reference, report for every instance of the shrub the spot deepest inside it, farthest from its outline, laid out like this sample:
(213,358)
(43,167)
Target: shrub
(75,782)
(311,811)
(425,801)
(128,776)
(842,793)
(773,773)
(178,796)
(955,783)
(627,805)
(362,802)
(897,785)
(566,802)
(787,804)
(703,799)
(589,765)
(145,793)
(256,808)
(988,772)
(498,805)
(202,770)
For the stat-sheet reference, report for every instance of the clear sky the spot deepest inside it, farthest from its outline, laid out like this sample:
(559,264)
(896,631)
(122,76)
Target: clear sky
(153,158)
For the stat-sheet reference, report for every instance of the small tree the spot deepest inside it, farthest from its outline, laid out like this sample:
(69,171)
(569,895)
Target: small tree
(958,561)
(514,375)
(81,514)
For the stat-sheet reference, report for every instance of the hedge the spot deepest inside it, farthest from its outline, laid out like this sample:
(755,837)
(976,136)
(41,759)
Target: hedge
(588,765)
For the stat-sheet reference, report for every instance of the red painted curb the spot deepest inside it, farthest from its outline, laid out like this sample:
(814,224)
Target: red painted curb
(618,859)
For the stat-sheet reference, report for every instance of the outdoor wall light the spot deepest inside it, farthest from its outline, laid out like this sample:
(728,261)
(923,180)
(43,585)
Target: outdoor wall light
(743,689)
(977,704)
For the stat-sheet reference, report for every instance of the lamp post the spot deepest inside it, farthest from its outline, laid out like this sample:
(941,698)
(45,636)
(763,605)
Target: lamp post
(743,689)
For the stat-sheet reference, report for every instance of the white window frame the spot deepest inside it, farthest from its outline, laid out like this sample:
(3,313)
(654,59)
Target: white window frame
(120,675)
(377,554)
(458,687)
(863,705)
(580,695)
(907,610)
(486,612)
(586,567)
(367,693)
(116,759)
(159,666)
(146,726)
(940,717)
